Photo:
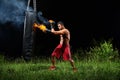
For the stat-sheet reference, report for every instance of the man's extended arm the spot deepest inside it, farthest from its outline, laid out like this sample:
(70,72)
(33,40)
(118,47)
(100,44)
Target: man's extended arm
(60,32)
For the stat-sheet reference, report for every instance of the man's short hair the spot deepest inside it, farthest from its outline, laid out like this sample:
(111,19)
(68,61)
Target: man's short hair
(60,22)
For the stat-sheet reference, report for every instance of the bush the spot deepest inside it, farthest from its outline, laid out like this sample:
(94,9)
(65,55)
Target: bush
(102,51)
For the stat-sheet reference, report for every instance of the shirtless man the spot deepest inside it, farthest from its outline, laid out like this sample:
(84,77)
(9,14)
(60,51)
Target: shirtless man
(63,48)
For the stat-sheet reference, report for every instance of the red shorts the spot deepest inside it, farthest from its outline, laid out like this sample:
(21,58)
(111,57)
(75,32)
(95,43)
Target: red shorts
(62,50)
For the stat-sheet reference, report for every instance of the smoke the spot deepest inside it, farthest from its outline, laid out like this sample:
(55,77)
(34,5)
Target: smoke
(12,11)
(42,19)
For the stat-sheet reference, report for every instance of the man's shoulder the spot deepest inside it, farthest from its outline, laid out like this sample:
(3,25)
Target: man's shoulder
(65,29)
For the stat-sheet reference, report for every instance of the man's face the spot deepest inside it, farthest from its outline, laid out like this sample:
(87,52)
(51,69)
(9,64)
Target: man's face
(59,26)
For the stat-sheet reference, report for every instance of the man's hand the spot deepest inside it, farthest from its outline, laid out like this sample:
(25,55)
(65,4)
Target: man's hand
(52,23)
(52,30)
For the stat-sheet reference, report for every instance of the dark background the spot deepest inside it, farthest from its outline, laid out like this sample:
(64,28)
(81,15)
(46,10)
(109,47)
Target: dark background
(87,20)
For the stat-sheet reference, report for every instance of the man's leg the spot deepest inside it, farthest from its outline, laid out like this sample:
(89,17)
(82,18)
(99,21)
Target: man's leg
(73,65)
(53,60)
(67,56)
(52,67)
(55,54)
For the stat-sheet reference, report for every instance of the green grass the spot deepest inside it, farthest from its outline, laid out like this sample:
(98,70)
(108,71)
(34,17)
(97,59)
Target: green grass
(38,70)
(101,62)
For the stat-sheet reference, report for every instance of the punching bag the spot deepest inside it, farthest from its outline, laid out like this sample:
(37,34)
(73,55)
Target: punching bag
(28,35)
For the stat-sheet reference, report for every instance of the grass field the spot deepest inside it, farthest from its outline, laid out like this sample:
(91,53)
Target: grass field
(101,62)
(38,70)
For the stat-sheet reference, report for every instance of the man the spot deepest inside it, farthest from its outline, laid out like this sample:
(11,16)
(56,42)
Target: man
(63,48)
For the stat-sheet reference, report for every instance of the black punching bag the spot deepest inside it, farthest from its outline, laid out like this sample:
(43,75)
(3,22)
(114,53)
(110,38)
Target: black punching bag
(28,34)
